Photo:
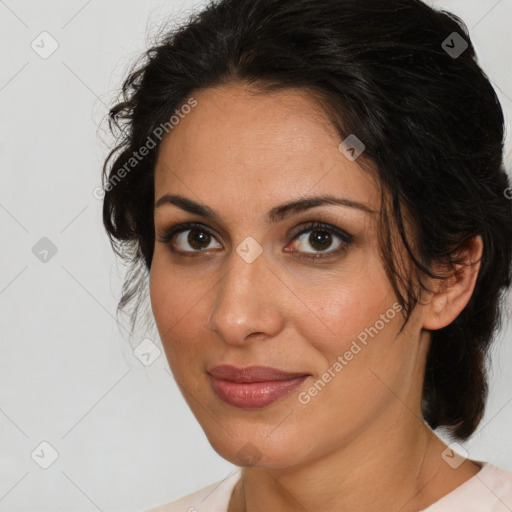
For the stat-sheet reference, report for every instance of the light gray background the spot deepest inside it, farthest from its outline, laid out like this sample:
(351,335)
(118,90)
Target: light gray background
(126,440)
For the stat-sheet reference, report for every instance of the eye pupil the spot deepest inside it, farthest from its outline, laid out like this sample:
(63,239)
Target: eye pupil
(320,238)
(196,238)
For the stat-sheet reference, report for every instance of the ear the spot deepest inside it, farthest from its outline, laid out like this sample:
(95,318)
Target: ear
(453,293)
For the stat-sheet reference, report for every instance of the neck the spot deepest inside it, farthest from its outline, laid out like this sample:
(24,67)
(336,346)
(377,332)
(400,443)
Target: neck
(399,467)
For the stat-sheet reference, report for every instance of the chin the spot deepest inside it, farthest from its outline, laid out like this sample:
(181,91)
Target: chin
(252,447)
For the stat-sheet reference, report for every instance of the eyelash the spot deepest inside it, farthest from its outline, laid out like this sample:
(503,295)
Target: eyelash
(346,238)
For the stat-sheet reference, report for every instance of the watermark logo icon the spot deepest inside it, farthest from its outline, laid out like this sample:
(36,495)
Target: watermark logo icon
(454,45)
(147,352)
(44,455)
(454,458)
(44,45)
(352,147)
(44,250)
(249,454)
(249,249)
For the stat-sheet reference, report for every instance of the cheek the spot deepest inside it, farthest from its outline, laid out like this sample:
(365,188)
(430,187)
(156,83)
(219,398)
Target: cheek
(173,293)
(358,381)
(178,302)
(354,341)
(342,306)
(163,293)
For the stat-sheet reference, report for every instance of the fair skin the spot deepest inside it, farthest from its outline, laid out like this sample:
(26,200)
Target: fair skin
(361,443)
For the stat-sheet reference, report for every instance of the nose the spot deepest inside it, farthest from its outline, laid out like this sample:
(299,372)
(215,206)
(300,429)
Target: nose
(248,302)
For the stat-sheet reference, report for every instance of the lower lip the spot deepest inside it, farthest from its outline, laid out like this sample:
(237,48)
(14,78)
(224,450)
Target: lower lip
(249,395)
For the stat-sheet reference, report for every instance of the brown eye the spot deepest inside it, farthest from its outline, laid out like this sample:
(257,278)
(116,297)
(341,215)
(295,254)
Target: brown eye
(198,239)
(195,240)
(191,239)
(320,240)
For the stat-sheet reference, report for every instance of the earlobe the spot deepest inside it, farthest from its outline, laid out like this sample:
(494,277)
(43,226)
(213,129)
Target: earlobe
(453,293)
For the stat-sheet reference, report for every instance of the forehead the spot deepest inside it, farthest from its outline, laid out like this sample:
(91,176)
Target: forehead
(262,148)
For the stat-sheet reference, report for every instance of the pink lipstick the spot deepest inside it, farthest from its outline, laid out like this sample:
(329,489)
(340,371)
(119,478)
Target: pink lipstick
(254,386)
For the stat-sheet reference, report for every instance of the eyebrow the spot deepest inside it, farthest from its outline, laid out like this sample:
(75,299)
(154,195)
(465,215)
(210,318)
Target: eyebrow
(274,215)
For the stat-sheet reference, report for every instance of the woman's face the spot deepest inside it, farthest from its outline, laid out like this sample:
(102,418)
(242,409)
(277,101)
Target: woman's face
(255,285)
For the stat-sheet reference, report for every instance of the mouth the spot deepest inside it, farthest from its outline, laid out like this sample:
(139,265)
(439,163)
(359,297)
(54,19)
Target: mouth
(254,386)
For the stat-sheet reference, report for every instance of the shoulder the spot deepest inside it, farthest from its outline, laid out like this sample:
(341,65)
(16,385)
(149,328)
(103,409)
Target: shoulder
(212,498)
(490,490)
(498,483)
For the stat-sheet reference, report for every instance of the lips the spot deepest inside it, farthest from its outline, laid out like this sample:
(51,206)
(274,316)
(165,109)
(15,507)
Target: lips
(254,386)
(251,373)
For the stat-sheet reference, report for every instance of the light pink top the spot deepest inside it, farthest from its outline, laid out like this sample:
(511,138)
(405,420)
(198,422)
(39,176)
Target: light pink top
(490,490)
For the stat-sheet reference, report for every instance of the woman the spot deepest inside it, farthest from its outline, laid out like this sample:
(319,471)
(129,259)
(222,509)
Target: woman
(315,191)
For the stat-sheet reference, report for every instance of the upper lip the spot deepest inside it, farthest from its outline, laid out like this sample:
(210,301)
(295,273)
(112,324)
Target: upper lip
(252,373)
